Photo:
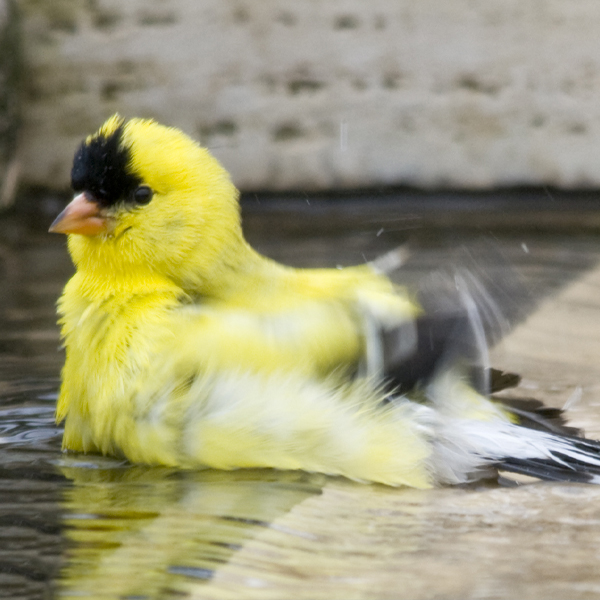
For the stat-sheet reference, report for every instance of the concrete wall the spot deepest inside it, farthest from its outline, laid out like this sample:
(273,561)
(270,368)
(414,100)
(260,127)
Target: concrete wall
(9,101)
(326,93)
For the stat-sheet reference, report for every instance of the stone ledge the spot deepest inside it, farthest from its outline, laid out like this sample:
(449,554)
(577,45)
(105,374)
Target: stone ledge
(335,94)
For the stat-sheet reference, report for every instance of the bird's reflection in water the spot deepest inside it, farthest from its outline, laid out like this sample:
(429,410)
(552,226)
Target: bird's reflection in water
(142,532)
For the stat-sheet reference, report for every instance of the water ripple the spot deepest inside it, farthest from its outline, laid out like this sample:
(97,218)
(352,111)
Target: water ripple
(28,424)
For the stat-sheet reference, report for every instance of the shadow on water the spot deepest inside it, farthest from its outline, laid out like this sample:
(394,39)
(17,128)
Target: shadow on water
(94,527)
(156,533)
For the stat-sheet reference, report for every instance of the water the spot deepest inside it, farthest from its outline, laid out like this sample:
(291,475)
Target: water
(93,527)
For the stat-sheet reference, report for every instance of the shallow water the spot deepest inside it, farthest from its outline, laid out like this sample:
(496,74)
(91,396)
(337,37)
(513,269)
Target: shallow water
(100,528)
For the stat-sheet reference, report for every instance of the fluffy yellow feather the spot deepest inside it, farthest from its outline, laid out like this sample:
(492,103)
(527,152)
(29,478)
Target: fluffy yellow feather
(187,348)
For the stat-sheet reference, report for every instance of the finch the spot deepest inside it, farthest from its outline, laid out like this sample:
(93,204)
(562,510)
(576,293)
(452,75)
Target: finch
(187,348)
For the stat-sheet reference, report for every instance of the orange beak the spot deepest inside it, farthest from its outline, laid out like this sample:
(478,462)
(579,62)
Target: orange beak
(81,215)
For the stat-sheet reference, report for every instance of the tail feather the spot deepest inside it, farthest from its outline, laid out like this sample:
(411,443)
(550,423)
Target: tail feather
(553,457)
(502,380)
(579,460)
(518,449)
(534,414)
(548,471)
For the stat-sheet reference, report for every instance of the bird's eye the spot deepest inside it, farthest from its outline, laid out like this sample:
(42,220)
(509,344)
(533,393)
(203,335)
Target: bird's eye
(142,195)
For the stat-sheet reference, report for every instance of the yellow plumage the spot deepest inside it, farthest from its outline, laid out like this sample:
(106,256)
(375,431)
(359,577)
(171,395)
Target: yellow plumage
(187,348)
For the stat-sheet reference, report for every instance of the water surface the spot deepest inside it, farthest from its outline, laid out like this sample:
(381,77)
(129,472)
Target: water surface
(87,526)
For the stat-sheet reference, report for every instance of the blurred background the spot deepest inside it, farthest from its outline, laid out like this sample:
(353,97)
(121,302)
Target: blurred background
(313,95)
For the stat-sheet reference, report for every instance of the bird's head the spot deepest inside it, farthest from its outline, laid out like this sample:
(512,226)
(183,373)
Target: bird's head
(148,199)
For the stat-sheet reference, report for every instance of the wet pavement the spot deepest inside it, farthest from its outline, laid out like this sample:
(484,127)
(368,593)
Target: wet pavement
(100,528)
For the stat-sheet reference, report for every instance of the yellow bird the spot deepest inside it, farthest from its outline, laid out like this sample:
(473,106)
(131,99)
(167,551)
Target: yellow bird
(185,347)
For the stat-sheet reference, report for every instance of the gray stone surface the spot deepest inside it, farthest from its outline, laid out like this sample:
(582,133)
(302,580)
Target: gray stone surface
(317,94)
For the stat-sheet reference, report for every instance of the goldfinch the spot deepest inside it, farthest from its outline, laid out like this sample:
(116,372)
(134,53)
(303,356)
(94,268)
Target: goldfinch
(186,348)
